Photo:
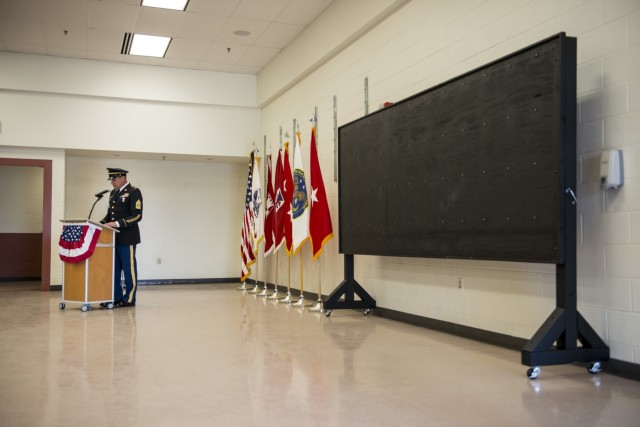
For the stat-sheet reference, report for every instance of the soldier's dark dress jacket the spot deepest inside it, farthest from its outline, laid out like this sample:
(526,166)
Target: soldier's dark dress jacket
(125,207)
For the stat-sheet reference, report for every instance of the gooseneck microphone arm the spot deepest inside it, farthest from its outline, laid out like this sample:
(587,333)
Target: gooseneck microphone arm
(98,197)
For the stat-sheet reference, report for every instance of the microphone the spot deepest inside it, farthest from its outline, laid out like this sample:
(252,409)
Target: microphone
(100,194)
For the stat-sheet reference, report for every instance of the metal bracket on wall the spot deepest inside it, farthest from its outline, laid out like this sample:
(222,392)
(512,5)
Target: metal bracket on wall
(335,138)
(366,96)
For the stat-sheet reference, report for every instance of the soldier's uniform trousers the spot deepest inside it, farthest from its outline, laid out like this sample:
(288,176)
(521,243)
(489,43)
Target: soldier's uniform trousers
(125,262)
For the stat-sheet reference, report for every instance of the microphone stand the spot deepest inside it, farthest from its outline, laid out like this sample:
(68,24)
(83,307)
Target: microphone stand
(94,205)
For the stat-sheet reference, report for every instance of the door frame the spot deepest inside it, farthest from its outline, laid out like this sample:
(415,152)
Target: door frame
(47,167)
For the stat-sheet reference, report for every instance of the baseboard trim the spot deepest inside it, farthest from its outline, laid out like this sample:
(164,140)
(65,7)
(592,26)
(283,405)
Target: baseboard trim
(187,281)
(488,337)
(612,366)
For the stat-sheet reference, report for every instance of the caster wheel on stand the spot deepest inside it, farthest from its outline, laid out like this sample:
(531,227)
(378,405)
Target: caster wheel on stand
(594,368)
(61,305)
(533,372)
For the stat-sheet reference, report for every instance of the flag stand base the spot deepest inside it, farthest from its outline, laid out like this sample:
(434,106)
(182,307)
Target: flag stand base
(275,295)
(287,299)
(244,287)
(318,306)
(300,303)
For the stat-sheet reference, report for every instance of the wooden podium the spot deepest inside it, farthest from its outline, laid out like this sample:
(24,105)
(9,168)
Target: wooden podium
(90,281)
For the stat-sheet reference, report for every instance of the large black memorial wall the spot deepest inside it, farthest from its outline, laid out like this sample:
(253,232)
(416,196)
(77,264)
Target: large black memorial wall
(475,168)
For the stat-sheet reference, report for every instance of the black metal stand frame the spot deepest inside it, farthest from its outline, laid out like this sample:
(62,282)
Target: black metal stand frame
(565,327)
(348,288)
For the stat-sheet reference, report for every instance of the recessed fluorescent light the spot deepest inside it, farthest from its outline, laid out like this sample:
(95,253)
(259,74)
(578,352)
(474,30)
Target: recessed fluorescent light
(166,4)
(144,45)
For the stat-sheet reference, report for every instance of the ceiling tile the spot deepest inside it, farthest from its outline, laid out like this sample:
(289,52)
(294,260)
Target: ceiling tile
(22,10)
(201,34)
(67,53)
(180,63)
(213,7)
(184,49)
(158,22)
(112,16)
(302,12)
(65,12)
(210,66)
(26,48)
(244,69)
(104,41)
(255,28)
(201,27)
(105,56)
(258,56)
(28,33)
(279,35)
(225,54)
(259,9)
(75,37)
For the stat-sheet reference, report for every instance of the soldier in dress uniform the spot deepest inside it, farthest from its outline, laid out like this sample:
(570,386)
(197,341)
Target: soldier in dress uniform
(125,212)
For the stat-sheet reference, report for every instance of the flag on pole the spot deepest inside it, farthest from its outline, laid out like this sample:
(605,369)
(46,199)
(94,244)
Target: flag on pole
(257,207)
(299,201)
(246,251)
(278,204)
(269,242)
(287,191)
(320,228)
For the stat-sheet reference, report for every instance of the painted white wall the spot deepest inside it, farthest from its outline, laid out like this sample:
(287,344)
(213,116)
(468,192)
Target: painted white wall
(428,42)
(192,212)
(21,194)
(92,105)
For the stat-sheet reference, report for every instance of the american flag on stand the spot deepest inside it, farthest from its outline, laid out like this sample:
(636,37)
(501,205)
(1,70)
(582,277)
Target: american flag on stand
(246,251)
(78,242)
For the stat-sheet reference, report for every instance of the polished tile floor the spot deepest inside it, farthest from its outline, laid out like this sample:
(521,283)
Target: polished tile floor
(209,355)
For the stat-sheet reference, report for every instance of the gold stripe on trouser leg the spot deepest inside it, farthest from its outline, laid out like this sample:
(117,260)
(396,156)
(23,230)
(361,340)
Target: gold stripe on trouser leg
(132,267)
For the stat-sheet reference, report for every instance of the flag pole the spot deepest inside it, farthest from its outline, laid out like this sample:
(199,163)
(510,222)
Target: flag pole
(265,290)
(275,295)
(318,306)
(256,289)
(244,286)
(287,298)
(301,302)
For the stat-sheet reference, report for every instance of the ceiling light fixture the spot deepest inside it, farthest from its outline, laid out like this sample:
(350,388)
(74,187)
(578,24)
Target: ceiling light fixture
(144,45)
(241,33)
(166,4)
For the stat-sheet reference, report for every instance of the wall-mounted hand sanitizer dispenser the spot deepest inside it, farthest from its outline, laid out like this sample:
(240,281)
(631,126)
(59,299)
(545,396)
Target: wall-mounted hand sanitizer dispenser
(611,169)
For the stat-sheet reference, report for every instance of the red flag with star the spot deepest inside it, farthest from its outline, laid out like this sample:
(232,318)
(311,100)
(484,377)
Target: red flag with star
(320,227)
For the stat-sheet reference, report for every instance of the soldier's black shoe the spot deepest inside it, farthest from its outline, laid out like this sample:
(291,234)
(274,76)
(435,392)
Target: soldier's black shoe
(127,304)
(109,304)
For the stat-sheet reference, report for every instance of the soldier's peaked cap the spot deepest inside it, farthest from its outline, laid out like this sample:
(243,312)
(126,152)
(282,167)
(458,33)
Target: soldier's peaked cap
(116,172)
